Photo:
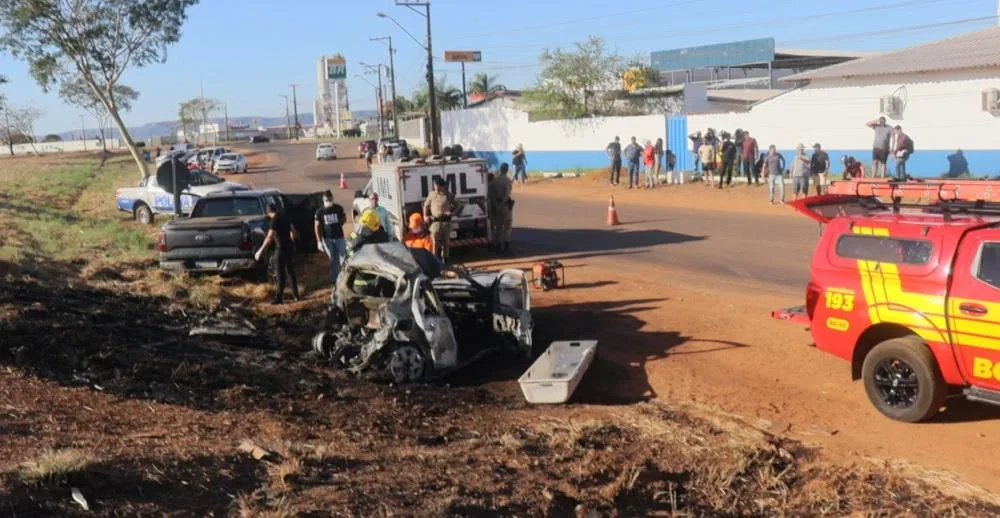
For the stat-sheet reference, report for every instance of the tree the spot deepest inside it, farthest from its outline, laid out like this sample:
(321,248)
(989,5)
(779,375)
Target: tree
(572,83)
(77,92)
(52,137)
(97,40)
(448,97)
(486,86)
(194,111)
(22,121)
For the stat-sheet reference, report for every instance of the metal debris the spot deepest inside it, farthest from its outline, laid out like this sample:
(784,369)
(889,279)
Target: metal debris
(78,498)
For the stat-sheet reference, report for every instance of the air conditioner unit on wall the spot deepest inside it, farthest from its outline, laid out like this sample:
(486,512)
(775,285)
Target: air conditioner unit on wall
(991,100)
(889,105)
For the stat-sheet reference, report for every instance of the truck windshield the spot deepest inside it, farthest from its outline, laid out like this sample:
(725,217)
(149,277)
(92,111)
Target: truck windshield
(221,207)
(884,249)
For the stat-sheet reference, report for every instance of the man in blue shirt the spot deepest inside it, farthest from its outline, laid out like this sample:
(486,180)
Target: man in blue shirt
(633,153)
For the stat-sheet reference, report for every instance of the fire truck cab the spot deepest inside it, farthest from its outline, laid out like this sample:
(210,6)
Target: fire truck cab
(905,285)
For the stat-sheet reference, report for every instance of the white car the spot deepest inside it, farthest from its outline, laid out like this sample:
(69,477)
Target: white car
(326,152)
(148,198)
(231,163)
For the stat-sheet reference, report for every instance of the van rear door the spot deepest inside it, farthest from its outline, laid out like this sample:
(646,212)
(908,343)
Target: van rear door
(974,308)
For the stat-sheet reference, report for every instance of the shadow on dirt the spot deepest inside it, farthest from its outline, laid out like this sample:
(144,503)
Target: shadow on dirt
(572,241)
(961,410)
(196,486)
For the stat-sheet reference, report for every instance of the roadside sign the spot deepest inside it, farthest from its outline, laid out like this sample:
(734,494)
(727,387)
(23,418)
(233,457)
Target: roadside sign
(463,56)
(336,68)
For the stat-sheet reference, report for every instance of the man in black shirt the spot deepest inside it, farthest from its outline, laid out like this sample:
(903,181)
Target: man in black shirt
(281,234)
(329,229)
(819,166)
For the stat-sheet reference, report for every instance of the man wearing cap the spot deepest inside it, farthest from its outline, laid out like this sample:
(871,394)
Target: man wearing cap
(417,236)
(439,208)
(501,210)
(819,165)
(383,216)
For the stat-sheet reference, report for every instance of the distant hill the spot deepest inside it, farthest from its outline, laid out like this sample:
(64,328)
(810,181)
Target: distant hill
(169,128)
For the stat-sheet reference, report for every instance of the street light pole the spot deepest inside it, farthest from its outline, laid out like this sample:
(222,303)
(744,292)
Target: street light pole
(378,93)
(288,118)
(380,97)
(435,126)
(295,106)
(392,83)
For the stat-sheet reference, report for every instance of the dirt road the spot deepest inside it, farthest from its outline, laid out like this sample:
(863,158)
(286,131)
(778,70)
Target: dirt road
(680,298)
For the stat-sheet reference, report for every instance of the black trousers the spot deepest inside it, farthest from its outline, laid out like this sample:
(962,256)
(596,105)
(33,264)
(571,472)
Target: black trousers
(750,172)
(616,170)
(727,173)
(285,264)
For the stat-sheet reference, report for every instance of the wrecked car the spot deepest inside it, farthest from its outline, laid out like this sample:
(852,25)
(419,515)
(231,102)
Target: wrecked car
(390,320)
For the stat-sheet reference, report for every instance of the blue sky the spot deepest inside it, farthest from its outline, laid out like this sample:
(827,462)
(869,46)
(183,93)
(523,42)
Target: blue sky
(247,52)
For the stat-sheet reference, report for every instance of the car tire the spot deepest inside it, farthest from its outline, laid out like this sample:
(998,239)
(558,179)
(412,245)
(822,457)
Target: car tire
(143,214)
(903,381)
(406,363)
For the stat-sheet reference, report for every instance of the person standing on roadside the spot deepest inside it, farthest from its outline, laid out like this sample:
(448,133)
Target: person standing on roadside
(729,154)
(671,169)
(819,165)
(696,142)
(904,148)
(706,154)
(774,174)
(800,173)
(520,162)
(439,208)
(614,151)
(649,161)
(880,148)
(281,233)
(501,210)
(750,151)
(659,158)
(633,154)
(329,229)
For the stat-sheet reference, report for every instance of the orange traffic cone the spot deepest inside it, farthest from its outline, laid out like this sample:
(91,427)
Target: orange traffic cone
(343,183)
(612,213)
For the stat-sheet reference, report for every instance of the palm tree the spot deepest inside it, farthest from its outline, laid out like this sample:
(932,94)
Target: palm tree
(486,86)
(448,98)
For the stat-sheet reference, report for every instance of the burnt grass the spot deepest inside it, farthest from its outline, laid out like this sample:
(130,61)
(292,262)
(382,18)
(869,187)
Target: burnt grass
(349,447)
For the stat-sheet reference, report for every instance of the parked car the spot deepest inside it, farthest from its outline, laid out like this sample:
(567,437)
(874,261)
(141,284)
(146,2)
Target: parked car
(365,146)
(231,163)
(394,319)
(226,228)
(147,199)
(179,154)
(326,152)
(257,139)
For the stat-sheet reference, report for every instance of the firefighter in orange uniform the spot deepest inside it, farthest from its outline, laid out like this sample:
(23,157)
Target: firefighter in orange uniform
(417,236)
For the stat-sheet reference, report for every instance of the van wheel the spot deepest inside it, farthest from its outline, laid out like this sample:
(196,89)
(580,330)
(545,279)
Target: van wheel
(903,381)
(143,214)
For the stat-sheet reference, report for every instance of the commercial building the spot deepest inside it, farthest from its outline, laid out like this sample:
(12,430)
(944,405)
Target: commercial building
(331,110)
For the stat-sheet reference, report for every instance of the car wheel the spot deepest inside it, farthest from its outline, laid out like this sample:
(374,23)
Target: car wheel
(246,168)
(144,215)
(903,381)
(406,364)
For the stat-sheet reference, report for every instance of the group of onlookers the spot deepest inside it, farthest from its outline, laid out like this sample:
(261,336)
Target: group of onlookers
(650,159)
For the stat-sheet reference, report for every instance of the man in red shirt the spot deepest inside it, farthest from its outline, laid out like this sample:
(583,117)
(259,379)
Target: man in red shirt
(649,160)
(750,151)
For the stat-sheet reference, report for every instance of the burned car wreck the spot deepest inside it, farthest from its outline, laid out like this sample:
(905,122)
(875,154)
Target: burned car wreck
(390,320)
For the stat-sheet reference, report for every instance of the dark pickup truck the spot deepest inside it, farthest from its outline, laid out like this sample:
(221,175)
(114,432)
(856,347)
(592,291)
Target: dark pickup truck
(226,228)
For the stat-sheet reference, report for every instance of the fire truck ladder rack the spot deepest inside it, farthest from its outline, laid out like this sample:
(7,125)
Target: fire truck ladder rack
(944,197)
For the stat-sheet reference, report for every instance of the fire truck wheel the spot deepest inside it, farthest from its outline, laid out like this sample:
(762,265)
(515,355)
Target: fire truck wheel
(903,381)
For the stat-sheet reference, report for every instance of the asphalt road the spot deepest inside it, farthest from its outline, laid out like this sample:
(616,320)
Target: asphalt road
(761,249)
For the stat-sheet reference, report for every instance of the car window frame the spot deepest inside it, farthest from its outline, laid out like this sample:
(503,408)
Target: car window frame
(916,265)
(977,263)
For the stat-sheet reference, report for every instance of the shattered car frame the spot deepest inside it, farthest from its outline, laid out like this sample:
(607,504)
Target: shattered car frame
(389,319)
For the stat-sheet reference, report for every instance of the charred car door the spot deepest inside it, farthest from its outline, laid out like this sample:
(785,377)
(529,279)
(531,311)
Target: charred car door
(511,302)
(430,317)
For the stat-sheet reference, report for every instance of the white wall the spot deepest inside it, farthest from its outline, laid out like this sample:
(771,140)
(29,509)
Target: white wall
(942,112)
(497,128)
(60,147)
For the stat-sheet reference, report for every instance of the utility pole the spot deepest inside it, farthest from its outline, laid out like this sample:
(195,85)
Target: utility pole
(204,112)
(83,124)
(295,106)
(225,111)
(379,97)
(435,126)
(465,96)
(392,84)
(378,102)
(288,117)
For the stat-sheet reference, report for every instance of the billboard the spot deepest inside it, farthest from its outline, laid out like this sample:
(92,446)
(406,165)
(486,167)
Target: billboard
(463,56)
(718,55)
(336,68)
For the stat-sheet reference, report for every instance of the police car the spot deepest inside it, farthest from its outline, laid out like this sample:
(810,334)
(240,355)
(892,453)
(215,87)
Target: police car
(148,198)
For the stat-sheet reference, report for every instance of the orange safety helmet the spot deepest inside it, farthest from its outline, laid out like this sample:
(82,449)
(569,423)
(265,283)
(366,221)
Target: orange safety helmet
(416,220)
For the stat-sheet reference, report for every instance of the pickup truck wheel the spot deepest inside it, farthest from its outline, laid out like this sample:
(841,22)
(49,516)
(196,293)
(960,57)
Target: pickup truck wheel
(143,214)
(903,381)
(406,363)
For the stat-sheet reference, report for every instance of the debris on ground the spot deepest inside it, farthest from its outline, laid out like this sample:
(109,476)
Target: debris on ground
(78,498)
(225,323)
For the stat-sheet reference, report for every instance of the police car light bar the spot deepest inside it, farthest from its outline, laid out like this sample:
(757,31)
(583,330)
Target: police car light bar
(933,191)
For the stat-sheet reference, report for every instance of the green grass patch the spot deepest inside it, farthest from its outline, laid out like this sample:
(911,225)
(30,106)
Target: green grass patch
(64,209)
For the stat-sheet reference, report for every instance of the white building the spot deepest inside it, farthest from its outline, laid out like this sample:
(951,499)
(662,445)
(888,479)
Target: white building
(331,109)
(945,95)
